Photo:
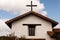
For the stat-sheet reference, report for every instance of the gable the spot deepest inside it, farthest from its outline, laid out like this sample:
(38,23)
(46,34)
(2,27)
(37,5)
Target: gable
(21,26)
(9,22)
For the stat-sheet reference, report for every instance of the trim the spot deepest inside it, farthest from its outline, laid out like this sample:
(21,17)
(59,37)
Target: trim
(33,24)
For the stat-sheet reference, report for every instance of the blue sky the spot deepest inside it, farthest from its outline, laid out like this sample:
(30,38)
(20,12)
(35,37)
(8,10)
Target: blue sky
(7,15)
(51,6)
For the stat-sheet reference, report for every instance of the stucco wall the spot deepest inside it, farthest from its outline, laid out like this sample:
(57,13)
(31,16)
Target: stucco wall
(40,32)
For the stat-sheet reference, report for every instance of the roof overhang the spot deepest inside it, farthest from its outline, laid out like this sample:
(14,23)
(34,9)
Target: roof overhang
(9,22)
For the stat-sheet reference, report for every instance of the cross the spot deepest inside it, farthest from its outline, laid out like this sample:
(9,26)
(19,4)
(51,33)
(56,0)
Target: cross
(31,6)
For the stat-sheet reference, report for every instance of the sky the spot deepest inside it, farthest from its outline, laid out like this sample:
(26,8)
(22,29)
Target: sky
(12,8)
(53,8)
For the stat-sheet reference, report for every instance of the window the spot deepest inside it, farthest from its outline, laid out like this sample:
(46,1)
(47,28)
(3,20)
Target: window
(31,30)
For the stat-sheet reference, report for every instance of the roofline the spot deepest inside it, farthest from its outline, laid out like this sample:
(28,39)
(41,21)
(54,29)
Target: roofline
(32,12)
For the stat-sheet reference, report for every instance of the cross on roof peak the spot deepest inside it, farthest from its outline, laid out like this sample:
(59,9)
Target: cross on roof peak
(31,6)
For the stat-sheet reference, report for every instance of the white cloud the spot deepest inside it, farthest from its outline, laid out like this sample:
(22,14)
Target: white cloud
(4,29)
(57,26)
(44,13)
(19,6)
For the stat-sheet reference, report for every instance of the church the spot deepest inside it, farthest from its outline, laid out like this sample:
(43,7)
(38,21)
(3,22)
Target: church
(34,26)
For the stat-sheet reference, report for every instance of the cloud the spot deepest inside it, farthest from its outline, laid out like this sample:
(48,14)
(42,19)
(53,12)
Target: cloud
(44,13)
(4,29)
(19,6)
(57,26)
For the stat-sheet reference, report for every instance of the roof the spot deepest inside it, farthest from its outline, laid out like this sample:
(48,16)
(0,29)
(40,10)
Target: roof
(53,33)
(56,30)
(9,22)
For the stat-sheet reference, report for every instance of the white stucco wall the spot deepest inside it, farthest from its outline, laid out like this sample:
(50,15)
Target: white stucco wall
(40,32)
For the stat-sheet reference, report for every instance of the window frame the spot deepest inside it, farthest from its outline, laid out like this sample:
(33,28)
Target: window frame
(31,30)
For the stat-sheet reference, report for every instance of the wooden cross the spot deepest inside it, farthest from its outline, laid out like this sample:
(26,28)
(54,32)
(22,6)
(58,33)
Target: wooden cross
(31,6)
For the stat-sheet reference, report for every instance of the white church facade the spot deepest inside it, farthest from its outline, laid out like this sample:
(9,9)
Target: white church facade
(32,25)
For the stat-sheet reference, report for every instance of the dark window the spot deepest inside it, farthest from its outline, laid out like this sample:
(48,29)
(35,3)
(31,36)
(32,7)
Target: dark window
(31,29)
